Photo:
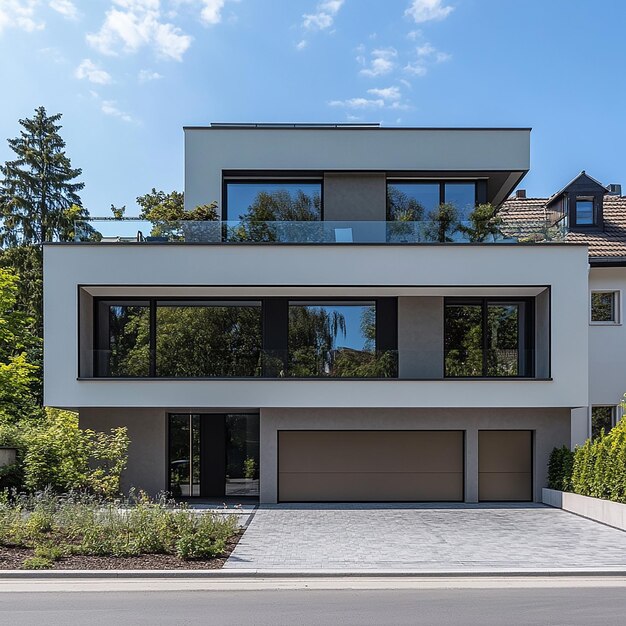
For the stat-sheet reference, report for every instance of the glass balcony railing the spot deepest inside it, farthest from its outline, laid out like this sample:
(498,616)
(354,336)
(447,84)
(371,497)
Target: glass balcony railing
(131,230)
(312,363)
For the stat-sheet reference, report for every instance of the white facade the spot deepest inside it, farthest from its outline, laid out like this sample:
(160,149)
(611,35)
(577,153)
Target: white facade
(222,271)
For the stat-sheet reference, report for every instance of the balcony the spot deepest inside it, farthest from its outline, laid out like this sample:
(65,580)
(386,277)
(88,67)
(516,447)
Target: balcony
(131,230)
(492,364)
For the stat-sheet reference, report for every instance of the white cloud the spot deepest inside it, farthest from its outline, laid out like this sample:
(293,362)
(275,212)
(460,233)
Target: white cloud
(109,107)
(94,74)
(428,10)
(414,34)
(324,15)
(417,68)
(425,50)
(210,10)
(65,7)
(145,76)
(302,44)
(441,57)
(386,93)
(19,14)
(358,103)
(382,62)
(139,24)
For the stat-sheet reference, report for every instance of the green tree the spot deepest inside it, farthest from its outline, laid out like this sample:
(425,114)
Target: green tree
(39,198)
(18,376)
(484,222)
(167,210)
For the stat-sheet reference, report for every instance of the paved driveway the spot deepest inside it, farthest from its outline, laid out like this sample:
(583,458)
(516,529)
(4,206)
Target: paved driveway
(425,537)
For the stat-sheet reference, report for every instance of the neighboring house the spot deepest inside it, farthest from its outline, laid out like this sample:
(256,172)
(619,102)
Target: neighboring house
(588,212)
(331,339)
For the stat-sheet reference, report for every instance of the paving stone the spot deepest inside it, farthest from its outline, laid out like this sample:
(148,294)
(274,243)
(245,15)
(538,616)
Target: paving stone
(424,537)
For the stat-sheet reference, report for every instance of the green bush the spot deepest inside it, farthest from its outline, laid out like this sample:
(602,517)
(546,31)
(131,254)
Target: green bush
(54,452)
(37,562)
(596,469)
(560,469)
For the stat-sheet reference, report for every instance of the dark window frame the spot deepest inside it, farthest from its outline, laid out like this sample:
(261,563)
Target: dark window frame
(529,339)
(270,180)
(616,295)
(442,182)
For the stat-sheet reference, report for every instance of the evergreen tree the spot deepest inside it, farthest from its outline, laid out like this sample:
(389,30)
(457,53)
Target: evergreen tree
(39,198)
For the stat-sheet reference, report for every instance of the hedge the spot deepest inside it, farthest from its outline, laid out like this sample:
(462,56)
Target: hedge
(596,469)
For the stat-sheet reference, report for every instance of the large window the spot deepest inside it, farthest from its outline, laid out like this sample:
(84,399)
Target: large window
(262,201)
(334,339)
(488,338)
(416,201)
(199,339)
(181,339)
(123,339)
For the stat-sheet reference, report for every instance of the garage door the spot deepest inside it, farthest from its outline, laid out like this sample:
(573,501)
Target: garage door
(370,466)
(505,465)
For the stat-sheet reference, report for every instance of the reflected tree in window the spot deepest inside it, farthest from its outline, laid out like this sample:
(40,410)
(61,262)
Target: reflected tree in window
(503,340)
(603,306)
(129,341)
(601,420)
(205,341)
(463,340)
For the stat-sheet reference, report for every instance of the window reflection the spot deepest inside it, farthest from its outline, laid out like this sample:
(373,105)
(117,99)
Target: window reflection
(334,339)
(274,201)
(462,196)
(204,340)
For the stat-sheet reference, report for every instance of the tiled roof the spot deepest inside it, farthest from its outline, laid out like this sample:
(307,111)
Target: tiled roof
(611,242)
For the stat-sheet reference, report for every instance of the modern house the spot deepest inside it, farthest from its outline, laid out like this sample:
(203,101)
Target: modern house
(344,331)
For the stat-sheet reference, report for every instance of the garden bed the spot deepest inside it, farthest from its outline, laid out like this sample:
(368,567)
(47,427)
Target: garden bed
(78,531)
(13,558)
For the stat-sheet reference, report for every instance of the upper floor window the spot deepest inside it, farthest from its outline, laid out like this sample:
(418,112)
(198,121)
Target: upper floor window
(488,338)
(416,201)
(605,307)
(335,339)
(585,215)
(276,200)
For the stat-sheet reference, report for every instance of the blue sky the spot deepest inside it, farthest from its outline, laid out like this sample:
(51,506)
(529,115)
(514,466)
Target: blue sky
(128,74)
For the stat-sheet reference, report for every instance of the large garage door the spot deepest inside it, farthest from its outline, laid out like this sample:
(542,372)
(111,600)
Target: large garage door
(505,465)
(374,466)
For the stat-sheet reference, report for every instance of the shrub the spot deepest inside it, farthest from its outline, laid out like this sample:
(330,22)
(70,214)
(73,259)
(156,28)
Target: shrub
(37,562)
(560,469)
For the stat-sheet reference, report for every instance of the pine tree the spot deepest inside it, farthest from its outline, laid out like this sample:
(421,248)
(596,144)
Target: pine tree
(39,198)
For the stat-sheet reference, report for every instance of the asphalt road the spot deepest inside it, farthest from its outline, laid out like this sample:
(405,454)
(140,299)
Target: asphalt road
(434,607)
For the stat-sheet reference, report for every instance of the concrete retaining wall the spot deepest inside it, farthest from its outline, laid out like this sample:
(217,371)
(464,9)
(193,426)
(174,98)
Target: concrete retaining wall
(604,511)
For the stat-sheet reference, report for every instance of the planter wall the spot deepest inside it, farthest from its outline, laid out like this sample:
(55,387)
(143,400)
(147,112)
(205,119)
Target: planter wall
(605,511)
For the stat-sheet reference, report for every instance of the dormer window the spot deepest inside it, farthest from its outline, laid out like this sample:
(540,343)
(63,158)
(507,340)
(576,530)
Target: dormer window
(579,205)
(584,211)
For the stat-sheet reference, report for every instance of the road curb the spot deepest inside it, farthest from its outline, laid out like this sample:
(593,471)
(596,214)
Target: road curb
(275,573)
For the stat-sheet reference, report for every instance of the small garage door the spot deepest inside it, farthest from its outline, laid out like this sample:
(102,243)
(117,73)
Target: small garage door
(370,466)
(505,461)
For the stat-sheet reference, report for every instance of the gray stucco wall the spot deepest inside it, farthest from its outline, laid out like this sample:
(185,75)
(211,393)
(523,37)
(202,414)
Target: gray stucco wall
(551,428)
(355,197)
(147,454)
(420,337)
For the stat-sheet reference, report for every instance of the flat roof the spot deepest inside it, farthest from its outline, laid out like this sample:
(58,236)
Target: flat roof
(342,126)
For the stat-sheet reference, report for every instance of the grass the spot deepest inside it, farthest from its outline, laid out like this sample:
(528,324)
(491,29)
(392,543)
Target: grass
(55,526)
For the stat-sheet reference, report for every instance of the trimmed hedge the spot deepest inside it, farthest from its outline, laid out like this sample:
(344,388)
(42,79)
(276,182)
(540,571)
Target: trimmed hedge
(596,469)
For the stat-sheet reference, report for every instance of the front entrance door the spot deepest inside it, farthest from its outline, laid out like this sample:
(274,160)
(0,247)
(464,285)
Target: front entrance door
(213,455)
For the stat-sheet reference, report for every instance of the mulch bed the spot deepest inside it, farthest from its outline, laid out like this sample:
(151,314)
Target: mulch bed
(12,558)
